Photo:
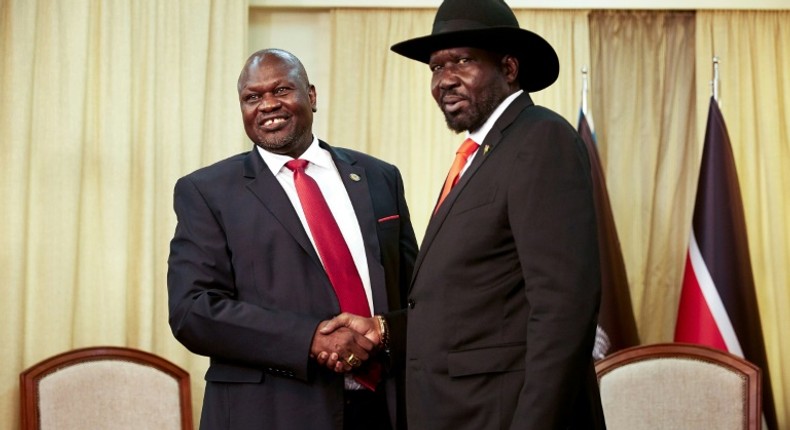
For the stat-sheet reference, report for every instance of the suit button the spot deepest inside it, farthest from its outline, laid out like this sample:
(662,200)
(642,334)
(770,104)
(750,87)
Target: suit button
(411,304)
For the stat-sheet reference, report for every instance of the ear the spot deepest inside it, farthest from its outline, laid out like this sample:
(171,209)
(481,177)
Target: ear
(510,69)
(313,98)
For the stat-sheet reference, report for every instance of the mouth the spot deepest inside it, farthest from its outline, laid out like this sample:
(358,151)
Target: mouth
(272,123)
(451,104)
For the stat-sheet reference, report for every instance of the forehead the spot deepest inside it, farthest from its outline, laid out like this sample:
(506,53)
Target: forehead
(272,70)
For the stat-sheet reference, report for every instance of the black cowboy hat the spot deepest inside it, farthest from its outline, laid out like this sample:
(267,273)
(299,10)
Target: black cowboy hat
(489,25)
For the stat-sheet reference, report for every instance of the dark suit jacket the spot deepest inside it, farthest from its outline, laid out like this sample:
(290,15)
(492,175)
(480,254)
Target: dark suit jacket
(247,289)
(504,299)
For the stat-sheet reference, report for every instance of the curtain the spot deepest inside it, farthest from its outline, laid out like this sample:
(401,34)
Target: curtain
(105,103)
(644,106)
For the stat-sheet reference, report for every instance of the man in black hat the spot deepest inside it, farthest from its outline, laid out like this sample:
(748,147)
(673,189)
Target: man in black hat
(503,304)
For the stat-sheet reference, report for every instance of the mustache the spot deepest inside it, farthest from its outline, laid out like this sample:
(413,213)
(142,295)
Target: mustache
(452,93)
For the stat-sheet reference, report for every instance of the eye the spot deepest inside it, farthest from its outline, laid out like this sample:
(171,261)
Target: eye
(281,91)
(435,67)
(463,60)
(251,97)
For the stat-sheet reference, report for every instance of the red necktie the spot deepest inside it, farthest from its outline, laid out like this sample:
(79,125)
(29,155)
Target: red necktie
(332,248)
(461,156)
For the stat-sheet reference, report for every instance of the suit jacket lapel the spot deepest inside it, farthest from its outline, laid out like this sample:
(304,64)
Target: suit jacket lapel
(270,193)
(358,187)
(493,138)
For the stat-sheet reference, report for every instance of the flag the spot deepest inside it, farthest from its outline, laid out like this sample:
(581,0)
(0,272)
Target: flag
(616,324)
(718,303)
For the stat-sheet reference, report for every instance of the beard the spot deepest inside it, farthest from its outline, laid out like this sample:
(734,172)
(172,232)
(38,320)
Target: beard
(475,115)
(300,137)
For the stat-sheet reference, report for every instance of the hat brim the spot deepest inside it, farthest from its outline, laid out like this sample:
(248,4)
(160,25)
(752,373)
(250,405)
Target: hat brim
(538,63)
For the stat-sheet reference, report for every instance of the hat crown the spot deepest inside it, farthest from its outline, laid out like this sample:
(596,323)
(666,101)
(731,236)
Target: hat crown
(458,15)
(490,25)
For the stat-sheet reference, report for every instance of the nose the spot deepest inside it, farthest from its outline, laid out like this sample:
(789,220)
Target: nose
(446,78)
(269,103)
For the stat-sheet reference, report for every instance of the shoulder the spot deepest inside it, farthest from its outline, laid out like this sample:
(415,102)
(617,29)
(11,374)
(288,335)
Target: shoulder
(367,159)
(540,127)
(547,119)
(539,133)
(222,174)
(230,165)
(362,159)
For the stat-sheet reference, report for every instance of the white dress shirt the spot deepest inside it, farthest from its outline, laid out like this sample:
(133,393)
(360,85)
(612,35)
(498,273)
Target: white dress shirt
(322,169)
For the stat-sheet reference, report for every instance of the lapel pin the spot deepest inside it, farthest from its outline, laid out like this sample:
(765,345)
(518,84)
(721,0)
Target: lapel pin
(486,149)
(354,177)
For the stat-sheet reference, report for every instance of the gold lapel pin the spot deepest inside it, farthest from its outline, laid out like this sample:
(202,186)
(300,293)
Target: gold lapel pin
(486,149)
(354,177)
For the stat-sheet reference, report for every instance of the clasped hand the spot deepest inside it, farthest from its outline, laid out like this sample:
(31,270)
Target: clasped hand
(345,342)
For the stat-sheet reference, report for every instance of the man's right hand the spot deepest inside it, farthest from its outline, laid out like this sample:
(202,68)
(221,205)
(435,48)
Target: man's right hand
(341,349)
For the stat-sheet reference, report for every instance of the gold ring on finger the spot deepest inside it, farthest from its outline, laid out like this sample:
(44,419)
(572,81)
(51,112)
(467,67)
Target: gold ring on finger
(353,361)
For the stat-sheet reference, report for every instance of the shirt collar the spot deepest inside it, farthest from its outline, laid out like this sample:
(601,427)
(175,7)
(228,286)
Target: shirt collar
(480,134)
(314,154)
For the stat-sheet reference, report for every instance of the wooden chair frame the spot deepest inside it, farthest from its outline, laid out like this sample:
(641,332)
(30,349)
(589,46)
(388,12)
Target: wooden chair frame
(30,377)
(736,364)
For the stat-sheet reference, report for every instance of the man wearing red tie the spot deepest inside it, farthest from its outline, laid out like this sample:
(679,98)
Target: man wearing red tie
(271,242)
(503,305)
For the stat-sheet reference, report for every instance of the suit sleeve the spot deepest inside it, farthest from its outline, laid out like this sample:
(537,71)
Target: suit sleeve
(551,213)
(206,314)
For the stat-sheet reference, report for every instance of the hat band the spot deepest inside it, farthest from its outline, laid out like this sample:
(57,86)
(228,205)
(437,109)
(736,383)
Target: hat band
(460,25)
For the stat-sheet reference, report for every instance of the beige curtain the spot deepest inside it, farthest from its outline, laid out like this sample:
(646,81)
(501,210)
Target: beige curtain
(643,87)
(105,103)
(381,102)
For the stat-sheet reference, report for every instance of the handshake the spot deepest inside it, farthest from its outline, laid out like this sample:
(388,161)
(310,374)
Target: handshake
(347,340)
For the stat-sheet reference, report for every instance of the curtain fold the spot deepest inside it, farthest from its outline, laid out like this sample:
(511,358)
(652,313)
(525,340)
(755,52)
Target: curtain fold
(105,104)
(382,104)
(644,85)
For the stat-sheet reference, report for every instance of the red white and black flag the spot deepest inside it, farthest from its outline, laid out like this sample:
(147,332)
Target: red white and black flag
(616,324)
(718,304)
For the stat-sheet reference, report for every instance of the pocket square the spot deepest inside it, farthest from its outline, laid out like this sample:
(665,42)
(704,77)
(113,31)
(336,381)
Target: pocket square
(387,218)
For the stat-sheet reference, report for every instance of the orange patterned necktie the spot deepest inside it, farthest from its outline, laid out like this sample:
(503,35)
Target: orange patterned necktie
(461,156)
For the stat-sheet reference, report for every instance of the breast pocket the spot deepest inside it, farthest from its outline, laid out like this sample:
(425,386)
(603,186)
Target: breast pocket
(471,199)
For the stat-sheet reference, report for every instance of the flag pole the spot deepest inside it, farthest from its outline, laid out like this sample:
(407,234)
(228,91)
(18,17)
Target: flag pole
(715,82)
(585,89)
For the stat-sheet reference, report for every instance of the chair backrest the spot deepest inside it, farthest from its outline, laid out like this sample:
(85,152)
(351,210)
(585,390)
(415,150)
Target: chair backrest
(105,388)
(679,386)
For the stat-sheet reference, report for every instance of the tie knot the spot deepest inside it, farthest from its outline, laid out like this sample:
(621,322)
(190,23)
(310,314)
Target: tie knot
(468,147)
(297,164)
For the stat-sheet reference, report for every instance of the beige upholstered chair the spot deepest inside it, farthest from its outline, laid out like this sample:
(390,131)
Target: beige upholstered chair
(105,388)
(680,387)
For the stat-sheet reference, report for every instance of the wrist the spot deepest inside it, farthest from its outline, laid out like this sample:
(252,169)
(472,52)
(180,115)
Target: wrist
(384,334)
